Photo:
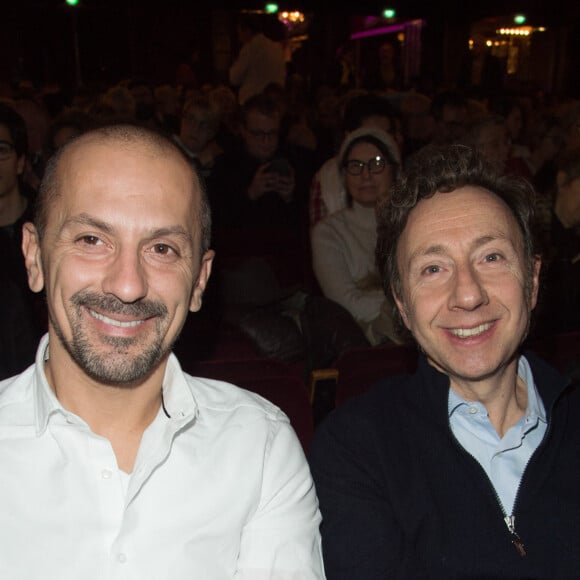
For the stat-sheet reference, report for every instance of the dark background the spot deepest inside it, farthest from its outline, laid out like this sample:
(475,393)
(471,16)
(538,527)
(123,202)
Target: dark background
(117,39)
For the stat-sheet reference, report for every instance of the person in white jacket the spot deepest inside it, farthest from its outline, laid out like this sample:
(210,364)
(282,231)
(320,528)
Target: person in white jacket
(260,62)
(327,191)
(343,243)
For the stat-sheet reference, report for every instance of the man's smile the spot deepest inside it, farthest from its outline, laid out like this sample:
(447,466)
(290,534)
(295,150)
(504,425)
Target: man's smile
(471,332)
(113,322)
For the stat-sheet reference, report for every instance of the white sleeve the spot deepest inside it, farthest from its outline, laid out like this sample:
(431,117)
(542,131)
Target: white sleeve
(282,539)
(240,66)
(335,279)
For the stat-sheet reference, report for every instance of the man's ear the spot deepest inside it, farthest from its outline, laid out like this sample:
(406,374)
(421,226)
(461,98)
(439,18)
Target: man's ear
(32,257)
(535,282)
(202,278)
(402,310)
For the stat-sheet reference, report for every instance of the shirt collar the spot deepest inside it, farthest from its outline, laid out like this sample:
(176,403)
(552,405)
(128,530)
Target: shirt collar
(178,398)
(46,403)
(535,408)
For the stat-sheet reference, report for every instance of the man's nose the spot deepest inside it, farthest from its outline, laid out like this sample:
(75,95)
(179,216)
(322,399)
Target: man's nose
(126,277)
(468,292)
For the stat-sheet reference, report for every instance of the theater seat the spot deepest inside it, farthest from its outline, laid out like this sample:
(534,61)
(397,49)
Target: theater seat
(359,368)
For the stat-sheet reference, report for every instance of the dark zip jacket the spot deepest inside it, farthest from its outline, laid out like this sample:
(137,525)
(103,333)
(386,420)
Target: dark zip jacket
(401,498)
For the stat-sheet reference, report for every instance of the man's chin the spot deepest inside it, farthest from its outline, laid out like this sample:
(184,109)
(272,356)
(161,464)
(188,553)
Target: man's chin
(120,374)
(120,366)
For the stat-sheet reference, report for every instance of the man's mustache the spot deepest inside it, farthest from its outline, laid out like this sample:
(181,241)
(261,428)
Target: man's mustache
(111,304)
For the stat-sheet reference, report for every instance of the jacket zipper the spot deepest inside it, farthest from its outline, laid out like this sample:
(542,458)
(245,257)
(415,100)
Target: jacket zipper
(510,520)
(516,540)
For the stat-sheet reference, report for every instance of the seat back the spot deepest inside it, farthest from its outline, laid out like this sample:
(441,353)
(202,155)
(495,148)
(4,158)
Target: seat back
(560,350)
(358,369)
(274,380)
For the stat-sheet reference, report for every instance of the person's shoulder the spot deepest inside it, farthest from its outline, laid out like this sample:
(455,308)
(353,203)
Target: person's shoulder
(329,166)
(16,397)
(223,397)
(328,231)
(333,222)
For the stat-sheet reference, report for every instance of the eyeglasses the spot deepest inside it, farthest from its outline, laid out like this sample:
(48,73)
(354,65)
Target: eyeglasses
(375,166)
(6,150)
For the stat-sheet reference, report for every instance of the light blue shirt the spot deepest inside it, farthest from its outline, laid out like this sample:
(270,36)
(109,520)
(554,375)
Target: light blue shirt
(503,458)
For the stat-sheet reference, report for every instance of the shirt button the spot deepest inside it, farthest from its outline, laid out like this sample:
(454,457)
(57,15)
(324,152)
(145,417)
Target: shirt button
(106,474)
(121,558)
(472,410)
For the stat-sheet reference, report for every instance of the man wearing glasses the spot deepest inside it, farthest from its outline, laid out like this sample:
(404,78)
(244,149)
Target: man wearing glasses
(264,181)
(20,328)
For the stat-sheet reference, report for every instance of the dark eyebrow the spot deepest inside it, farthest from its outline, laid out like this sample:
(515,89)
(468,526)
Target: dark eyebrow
(85,219)
(178,231)
(439,249)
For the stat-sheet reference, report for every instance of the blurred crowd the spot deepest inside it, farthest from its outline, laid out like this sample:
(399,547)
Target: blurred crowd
(293,174)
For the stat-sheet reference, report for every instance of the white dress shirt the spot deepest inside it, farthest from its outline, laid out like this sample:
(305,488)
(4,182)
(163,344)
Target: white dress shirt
(343,260)
(220,489)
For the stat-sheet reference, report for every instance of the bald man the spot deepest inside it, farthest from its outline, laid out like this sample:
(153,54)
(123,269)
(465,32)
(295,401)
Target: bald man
(116,464)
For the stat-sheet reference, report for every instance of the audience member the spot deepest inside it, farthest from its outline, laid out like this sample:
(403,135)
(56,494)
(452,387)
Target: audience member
(69,124)
(417,123)
(118,105)
(571,123)
(489,136)
(167,108)
(260,61)
(482,73)
(20,324)
(328,115)
(545,143)
(37,120)
(468,467)
(264,182)
(142,92)
(560,310)
(513,112)
(224,100)
(449,110)
(197,133)
(295,126)
(345,74)
(327,189)
(343,243)
(188,74)
(384,72)
(146,472)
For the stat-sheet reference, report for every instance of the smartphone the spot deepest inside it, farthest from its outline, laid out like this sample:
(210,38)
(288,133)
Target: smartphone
(281,166)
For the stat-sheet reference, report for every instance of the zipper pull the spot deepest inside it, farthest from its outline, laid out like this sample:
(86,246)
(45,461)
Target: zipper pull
(516,540)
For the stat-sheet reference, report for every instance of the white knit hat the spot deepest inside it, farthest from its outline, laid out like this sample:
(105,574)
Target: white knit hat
(378,134)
